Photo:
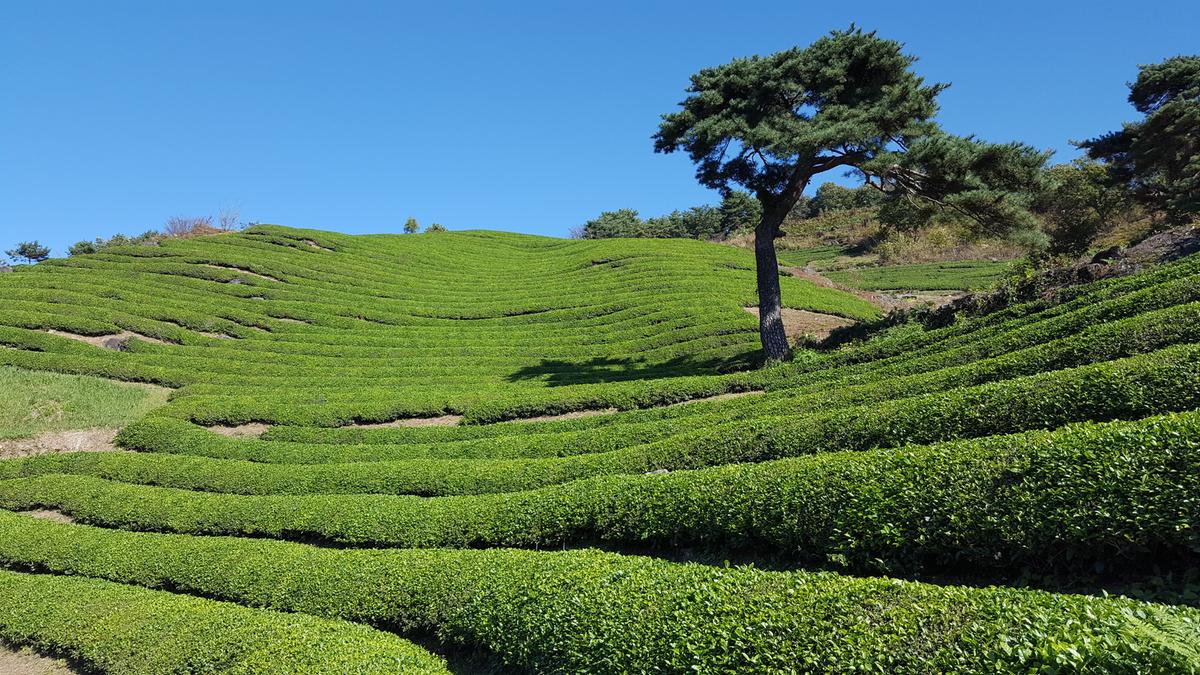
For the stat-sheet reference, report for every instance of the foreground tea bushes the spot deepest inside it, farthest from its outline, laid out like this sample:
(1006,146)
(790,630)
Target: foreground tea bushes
(122,629)
(626,610)
(997,502)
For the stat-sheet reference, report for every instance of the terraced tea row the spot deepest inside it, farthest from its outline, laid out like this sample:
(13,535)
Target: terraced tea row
(113,627)
(657,616)
(1057,439)
(1001,502)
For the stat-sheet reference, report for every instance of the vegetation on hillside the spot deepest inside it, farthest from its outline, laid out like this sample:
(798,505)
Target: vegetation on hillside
(989,470)
(175,227)
(737,213)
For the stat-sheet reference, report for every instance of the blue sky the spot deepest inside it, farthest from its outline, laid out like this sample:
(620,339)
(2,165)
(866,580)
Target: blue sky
(523,116)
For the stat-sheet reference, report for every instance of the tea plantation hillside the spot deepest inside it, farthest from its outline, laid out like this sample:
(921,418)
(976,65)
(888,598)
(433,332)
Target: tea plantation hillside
(483,451)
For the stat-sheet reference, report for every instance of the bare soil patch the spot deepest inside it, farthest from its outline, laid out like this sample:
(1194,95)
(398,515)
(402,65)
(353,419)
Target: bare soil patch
(217,336)
(115,342)
(314,244)
(83,440)
(442,421)
(24,661)
(250,430)
(797,322)
(47,514)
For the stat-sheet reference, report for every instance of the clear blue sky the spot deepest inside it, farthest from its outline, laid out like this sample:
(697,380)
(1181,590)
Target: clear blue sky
(522,116)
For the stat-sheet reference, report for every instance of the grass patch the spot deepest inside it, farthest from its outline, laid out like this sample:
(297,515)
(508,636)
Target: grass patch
(36,402)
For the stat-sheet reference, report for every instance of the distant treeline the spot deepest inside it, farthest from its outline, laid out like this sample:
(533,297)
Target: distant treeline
(738,212)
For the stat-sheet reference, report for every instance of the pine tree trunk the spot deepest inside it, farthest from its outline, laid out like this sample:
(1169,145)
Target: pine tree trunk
(770,316)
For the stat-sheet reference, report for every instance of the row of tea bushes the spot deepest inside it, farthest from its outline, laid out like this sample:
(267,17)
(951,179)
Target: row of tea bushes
(1000,501)
(595,612)
(116,628)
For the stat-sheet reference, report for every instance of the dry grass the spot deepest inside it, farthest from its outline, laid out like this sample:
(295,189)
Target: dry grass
(78,440)
(50,515)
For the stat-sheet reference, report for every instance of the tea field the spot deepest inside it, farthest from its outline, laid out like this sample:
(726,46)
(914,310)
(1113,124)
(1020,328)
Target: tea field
(488,452)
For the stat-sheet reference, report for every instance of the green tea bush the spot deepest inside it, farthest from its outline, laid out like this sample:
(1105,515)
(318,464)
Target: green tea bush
(1167,380)
(999,501)
(1030,440)
(116,628)
(587,611)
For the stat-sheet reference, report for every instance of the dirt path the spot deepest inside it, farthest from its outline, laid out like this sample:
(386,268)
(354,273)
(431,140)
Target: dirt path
(99,439)
(47,514)
(17,661)
(885,300)
(905,300)
(242,270)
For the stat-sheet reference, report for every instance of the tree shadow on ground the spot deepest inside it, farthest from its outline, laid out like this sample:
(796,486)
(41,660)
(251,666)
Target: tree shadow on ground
(558,372)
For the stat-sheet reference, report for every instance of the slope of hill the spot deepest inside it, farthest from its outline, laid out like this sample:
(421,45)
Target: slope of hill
(458,421)
(376,327)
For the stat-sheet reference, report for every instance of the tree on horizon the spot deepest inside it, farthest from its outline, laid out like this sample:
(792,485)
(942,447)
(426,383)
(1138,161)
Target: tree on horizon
(29,251)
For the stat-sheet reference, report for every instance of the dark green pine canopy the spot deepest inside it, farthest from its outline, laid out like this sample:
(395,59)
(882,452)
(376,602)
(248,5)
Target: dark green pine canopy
(1158,158)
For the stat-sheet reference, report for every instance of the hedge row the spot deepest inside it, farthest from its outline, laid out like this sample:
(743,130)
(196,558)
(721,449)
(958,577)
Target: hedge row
(1105,341)
(123,629)
(1082,494)
(1107,330)
(910,337)
(594,612)
(985,341)
(1095,322)
(1167,380)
